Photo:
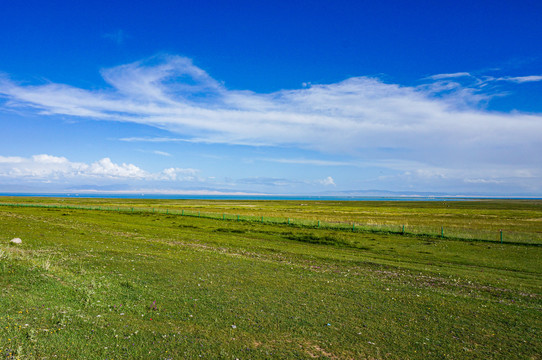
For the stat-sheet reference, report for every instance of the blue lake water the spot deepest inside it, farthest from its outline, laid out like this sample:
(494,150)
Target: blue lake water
(255,197)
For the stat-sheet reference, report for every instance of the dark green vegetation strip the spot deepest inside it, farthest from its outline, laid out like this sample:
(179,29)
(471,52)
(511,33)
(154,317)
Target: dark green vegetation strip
(473,223)
(100,285)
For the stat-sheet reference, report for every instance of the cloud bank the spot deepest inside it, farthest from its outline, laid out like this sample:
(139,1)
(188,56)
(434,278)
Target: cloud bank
(49,167)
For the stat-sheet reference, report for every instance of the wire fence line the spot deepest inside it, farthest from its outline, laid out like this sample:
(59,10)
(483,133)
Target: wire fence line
(449,232)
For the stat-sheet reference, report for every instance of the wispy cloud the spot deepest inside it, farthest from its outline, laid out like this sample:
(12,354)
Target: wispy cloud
(161,140)
(162,153)
(282,182)
(156,139)
(522,79)
(11,159)
(315,162)
(449,76)
(155,152)
(437,123)
(118,36)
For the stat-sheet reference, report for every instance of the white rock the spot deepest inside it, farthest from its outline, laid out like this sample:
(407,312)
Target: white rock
(16,241)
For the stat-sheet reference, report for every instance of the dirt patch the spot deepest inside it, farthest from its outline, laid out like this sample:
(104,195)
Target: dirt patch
(316,351)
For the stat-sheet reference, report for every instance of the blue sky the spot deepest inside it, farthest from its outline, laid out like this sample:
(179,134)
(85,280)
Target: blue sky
(296,97)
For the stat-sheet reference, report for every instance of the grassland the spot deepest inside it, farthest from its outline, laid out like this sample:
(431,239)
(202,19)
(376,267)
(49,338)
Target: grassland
(88,284)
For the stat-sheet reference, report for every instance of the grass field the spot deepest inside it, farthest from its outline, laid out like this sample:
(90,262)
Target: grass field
(88,284)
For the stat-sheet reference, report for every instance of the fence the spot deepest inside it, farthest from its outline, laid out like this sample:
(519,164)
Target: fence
(451,233)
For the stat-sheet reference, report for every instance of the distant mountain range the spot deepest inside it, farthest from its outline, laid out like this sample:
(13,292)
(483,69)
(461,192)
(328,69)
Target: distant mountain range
(389,193)
(123,189)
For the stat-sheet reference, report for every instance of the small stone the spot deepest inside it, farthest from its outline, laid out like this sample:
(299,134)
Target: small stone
(234,327)
(16,241)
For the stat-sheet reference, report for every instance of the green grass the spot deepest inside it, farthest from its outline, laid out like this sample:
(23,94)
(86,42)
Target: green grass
(512,221)
(88,284)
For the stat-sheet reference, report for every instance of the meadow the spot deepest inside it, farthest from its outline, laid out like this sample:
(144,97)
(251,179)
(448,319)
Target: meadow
(175,279)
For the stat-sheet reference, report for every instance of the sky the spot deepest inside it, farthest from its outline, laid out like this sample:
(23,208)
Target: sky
(271,97)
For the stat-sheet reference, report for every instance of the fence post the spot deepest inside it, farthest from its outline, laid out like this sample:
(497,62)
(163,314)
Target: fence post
(262,219)
(132,209)
(223,216)
(403,229)
(442,232)
(354,227)
(182,212)
(318,223)
(501,235)
(237,217)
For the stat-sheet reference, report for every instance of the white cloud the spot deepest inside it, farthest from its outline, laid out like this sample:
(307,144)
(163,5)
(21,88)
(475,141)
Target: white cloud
(49,159)
(10,159)
(47,167)
(105,167)
(327,181)
(41,167)
(447,76)
(522,79)
(439,124)
(177,174)
(162,153)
